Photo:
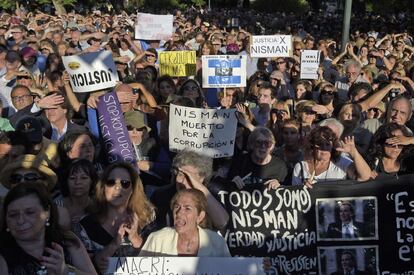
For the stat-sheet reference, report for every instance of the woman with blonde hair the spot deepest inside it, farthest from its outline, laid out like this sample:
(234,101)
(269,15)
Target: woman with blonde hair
(122,214)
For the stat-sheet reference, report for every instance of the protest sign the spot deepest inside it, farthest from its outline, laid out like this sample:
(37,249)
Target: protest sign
(303,231)
(91,71)
(153,26)
(177,63)
(116,142)
(210,132)
(224,71)
(309,64)
(184,265)
(271,46)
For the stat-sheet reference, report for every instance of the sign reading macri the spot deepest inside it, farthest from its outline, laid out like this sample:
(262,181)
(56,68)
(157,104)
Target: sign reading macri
(210,132)
(312,231)
(271,46)
(184,265)
(91,71)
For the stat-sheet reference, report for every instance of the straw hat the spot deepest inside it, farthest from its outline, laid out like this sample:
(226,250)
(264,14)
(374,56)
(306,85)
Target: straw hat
(29,162)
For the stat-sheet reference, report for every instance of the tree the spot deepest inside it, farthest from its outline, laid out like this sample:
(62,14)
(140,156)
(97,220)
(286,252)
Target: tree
(58,4)
(296,6)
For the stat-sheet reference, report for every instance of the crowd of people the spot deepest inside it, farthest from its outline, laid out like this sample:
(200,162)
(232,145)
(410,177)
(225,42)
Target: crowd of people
(65,209)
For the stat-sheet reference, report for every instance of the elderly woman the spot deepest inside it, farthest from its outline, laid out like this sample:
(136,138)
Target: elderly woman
(189,236)
(323,160)
(122,210)
(258,166)
(31,240)
(387,158)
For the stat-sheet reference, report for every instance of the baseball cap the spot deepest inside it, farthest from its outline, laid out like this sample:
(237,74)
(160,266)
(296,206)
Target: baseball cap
(31,127)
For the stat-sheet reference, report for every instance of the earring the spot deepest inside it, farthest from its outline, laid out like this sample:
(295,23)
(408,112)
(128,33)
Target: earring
(7,229)
(47,222)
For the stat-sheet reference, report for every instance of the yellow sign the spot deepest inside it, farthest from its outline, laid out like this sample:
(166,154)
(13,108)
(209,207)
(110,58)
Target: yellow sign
(178,63)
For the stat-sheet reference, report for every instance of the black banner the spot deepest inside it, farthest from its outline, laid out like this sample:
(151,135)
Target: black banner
(335,228)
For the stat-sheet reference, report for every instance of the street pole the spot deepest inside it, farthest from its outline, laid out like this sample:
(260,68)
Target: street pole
(346,23)
(209,5)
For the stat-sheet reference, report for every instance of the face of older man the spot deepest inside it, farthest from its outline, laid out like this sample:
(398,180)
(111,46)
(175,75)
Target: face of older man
(399,111)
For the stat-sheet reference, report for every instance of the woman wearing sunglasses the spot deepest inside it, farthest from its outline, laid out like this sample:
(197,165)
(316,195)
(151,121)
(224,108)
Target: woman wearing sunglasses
(121,217)
(387,158)
(327,159)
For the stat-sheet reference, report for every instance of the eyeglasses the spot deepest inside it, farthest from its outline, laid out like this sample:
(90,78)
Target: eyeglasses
(15,32)
(124,183)
(22,97)
(298,49)
(261,143)
(17,178)
(130,128)
(371,41)
(150,55)
(397,146)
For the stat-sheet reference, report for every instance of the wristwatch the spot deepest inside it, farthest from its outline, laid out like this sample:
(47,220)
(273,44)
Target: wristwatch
(71,269)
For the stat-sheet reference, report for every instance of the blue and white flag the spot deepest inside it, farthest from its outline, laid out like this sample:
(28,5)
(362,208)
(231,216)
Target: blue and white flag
(221,71)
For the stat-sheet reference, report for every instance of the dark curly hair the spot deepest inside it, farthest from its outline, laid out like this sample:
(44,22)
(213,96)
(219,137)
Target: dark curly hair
(316,136)
(384,132)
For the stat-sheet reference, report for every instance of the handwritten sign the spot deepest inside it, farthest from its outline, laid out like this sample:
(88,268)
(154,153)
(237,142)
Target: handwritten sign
(221,71)
(178,63)
(309,64)
(117,145)
(271,46)
(210,132)
(91,72)
(153,26)
(184,265)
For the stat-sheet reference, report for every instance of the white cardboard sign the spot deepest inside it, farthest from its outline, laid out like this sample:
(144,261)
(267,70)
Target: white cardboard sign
(220,71)
(309,64)
(153,26)
(210,132)
(184,265)
(91,71)
(271,46)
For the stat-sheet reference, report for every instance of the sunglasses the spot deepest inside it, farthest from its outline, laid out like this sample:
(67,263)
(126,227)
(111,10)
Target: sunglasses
(124,183)
(327,92)
(23,77)
(150,55)
(130,128)
(324,146)
(310,112)
(17,178)
(375,110)
(298,49)
(281,62)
